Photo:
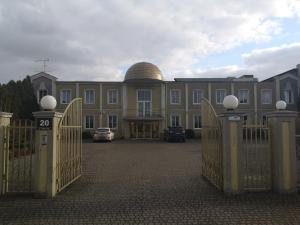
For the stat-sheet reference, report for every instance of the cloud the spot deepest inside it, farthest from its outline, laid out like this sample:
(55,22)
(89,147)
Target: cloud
(262,63)
(91,39)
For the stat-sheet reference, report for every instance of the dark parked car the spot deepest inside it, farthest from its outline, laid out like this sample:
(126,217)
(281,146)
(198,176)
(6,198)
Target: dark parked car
(174,134)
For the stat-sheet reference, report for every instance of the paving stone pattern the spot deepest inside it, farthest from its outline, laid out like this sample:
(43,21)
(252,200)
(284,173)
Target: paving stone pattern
(148,183)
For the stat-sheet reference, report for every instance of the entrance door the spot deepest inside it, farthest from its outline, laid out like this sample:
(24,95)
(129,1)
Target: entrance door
(144,129)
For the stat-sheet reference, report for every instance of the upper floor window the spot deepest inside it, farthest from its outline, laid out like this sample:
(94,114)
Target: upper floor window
(144,102)
(112,121)
(266,96)
(175,120)
(89,121)
(112,96)
(89,97)
(41,94)
(287,96)
(175,96)
(244,96)
(197,121)
(197,95)
(220,95)
(65,96)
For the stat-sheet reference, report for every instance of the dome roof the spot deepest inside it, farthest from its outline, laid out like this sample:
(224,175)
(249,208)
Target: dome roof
(143,71)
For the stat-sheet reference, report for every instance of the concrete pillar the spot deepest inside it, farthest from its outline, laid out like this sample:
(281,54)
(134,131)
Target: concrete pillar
(4,122)
(232,154)
(163,104)
(186,106)
(283,150)
(46,147)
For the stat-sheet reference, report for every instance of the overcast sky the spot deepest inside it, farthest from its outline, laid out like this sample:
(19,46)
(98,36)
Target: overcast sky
(99,40)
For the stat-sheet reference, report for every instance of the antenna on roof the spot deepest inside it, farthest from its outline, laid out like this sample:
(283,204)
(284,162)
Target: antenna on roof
(44,63)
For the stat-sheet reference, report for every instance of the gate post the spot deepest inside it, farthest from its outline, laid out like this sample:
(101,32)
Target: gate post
(232,154)
(45,145)
(283,150)
(4,122)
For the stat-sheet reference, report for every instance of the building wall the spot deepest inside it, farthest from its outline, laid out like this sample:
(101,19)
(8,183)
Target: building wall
(161,98)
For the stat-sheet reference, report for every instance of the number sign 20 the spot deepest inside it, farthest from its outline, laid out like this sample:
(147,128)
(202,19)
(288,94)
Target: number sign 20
(44,123)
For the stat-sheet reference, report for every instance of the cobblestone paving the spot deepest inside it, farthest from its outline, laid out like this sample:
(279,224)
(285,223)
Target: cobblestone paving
(148,183)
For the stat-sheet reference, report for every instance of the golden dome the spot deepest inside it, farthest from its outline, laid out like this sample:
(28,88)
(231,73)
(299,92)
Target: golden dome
(143,71)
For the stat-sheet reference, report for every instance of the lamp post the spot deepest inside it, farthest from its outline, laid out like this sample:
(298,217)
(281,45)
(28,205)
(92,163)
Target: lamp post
(280,105)
(230,102)
(48,103)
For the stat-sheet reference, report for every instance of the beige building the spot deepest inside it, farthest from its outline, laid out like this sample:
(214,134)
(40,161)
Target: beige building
(143,105)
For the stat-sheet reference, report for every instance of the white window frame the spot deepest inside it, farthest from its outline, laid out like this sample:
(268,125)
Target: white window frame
(216,96)
(292,96)
(93,116)
(239,94)
(137,100)
(194,127)
(89,103)
(201,91)
(179,119)
(117,96)
(179,97)
(261,96)
(110,115)
(61,96)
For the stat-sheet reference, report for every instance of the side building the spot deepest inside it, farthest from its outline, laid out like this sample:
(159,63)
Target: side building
(143,105)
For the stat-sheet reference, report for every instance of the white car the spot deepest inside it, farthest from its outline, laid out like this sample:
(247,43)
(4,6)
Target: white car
(103,134)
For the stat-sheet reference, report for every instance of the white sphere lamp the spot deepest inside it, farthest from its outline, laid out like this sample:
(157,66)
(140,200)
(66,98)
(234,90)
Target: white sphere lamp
(230,102)
(48,102)
(280,105)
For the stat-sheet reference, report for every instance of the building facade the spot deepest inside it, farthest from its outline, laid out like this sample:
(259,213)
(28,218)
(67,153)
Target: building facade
(143,105)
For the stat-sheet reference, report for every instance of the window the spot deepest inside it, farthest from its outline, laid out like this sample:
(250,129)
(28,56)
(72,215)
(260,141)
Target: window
(175,120)
(112,121)
(41,94)
(287,96)
(197,95)
(245,118)
(65,96)
(89,122)
(264,120)
(144,103)
(175,96)
(89,97)
(220,95)
(112,96)
(266,96)
(197,121)
(244,96)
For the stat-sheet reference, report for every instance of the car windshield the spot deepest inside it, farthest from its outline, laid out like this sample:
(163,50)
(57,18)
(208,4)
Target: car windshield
(102,130)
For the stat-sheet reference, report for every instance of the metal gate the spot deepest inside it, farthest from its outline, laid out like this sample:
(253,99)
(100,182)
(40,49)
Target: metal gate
(212,166)
(18,156)
(69,145)
(257,157)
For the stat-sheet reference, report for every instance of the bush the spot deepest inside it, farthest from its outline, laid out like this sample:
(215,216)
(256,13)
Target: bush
(86,135)
(189,133)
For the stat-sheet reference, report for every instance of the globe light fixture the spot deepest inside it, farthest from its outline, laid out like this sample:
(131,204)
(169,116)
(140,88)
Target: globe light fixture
(48,102)
(280,105)
(230,102)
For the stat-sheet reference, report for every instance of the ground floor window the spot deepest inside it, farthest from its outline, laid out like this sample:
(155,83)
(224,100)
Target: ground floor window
(89,121)
(175,120)
(112,121)
(197,121)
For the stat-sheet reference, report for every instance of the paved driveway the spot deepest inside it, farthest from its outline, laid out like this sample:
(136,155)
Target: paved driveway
(148,183)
